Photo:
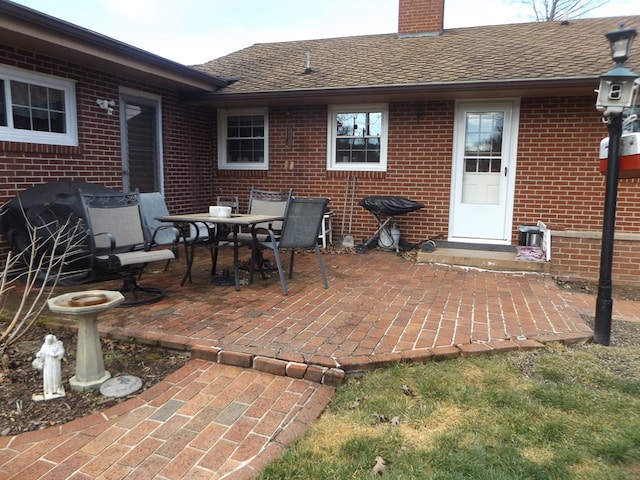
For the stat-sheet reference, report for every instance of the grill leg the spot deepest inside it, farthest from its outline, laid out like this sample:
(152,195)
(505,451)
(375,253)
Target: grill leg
(376,235)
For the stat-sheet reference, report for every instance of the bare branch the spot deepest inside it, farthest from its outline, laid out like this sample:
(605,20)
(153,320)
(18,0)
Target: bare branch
(555,10)
(51,246)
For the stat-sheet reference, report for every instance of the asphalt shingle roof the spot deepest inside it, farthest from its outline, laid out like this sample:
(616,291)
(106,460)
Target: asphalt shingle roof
(502,53)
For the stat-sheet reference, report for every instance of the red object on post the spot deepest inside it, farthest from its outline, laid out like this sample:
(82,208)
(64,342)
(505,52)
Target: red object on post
(629,155)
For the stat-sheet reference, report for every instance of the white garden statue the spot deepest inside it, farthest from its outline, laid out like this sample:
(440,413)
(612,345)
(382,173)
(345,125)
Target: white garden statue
(49,359)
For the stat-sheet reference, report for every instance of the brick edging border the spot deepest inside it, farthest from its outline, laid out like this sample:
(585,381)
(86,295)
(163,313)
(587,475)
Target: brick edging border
(334,372)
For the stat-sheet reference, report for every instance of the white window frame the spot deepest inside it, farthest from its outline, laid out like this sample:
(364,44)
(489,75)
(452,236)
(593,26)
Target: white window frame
(332,128)
(223,114)
(11,134)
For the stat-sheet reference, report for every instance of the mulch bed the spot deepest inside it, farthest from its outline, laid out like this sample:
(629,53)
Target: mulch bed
(19,380)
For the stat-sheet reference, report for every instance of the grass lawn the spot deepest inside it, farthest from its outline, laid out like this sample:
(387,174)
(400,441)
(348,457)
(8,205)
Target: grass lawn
(564,412)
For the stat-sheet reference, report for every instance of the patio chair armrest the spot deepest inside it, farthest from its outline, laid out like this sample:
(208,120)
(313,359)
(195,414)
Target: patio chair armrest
(198,228)
(110,237)
(270,235)
(259,228)
(176,234)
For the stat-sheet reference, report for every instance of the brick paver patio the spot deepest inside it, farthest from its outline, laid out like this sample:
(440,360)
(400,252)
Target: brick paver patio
(265,365)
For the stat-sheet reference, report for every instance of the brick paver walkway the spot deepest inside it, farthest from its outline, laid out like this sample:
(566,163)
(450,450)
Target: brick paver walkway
(215,419)
(205,421)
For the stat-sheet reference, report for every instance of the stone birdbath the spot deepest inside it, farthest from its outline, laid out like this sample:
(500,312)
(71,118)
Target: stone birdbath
(85,307)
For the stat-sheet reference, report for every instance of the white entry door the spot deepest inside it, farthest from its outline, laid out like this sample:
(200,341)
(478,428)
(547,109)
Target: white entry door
(483,171)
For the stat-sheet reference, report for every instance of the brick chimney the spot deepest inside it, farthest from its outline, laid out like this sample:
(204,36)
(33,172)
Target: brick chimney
(420,17)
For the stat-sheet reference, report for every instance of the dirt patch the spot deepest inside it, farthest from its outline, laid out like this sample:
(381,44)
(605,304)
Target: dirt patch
(19,380)
(622,292)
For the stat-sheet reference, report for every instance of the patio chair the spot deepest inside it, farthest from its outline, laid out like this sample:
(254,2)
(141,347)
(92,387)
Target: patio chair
(222,231)
(300,229)
(261,202)
(164,234)
(264,202)
(160,234)
(118,244)
(229,201)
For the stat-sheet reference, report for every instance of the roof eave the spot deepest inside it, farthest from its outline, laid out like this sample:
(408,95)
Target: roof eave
(531,87)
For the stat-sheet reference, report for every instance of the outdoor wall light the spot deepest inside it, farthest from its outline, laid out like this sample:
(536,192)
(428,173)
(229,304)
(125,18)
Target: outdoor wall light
(106,105)
(617,93)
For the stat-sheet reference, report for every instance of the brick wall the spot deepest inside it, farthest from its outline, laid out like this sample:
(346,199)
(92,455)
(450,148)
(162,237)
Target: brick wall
(576,256)
(557,170)
(557,178)
(419,166)
(558,182)
(187,139)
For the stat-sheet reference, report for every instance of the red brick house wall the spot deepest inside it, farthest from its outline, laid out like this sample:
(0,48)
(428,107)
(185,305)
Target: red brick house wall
(557,181)
(419,167)
(187,141)
(557,170)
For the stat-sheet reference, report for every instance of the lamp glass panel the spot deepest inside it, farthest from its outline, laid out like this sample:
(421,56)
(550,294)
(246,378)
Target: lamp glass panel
(620,48)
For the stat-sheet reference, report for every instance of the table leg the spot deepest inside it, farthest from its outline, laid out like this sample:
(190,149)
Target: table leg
(189,253)
(236,269)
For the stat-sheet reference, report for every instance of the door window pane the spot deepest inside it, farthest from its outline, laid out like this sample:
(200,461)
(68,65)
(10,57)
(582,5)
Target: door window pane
(483,157)
(484,134)
(142,146)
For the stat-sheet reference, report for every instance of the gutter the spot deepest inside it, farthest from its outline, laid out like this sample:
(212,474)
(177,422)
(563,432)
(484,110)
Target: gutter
(471,89)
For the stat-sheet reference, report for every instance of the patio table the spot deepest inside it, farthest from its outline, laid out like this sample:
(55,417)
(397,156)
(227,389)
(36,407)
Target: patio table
(235,221)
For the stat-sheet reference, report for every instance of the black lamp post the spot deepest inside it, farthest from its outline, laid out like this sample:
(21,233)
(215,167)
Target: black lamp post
(616,94)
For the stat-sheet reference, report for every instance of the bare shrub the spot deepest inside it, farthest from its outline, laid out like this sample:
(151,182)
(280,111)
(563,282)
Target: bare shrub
(38,268)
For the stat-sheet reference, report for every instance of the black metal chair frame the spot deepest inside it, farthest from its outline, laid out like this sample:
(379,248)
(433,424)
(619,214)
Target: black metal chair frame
(300,229)
(260,202)
(119,244)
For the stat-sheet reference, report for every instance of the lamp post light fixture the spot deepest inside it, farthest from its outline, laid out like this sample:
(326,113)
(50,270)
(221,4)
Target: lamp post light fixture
(616,94)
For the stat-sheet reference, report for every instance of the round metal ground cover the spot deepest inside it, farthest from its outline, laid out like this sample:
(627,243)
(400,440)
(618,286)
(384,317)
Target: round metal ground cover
(120,386)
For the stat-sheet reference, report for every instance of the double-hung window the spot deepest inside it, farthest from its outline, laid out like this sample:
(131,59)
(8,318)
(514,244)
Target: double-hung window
(357,137)
(243,139)
(36,108)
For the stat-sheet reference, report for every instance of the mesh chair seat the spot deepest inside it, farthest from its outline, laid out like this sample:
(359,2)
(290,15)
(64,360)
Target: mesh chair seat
(138,257)
(153,205)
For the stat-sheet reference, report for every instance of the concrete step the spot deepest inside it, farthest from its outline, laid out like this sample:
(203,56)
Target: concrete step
(484,259)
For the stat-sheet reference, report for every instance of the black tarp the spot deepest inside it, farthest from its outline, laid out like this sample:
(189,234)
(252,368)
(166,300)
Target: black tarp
(389,206)
(49,206)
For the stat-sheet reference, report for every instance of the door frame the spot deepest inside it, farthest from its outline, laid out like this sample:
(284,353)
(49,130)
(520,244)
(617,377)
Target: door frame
(510,155)
(149,99)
